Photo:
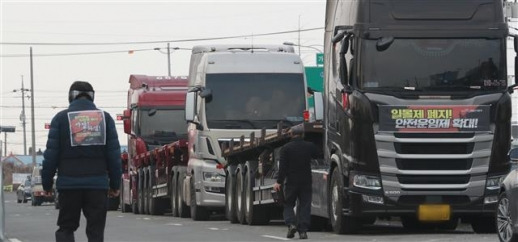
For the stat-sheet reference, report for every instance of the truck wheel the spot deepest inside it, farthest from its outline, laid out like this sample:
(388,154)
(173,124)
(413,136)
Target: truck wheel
(484,224)
(183,210)
(155,204)
(240,211)
(174,192)
(140,192)
(341,224)
(145,191)
(198,213)
(230,199)
(255,215)
(124,207)
(134,203)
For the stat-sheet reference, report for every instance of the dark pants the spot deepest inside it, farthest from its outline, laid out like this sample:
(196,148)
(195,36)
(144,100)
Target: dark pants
(303,195)
(93,203)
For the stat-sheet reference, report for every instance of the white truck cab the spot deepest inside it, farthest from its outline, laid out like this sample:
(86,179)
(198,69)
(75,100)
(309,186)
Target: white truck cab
(235,90)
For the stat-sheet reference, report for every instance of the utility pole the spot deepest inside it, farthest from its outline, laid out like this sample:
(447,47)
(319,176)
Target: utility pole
(32,115)
(23,117)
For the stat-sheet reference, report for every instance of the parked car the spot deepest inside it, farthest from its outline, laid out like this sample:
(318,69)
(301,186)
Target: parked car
(507,212)
(23,193)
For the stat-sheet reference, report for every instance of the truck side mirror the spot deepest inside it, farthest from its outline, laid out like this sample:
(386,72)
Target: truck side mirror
(206,94)
(319,106)
(190,106)
(126,120)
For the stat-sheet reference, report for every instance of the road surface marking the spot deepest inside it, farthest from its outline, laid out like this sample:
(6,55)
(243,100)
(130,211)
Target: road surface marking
(213,228)
(120,216)
(14,240)
(174,224)
(275,237)
(147,218)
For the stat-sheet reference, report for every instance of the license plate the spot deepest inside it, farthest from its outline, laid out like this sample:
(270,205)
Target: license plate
(434,212)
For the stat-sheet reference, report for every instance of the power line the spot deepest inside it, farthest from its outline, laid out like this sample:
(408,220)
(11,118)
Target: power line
(78,53)
(162,41)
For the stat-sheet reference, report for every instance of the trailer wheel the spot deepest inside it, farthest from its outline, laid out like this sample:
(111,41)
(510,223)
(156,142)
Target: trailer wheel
(198,213)
(134,203)
(183,210)
(255,215)
(124,207)
(140,192)
(155,204)
(240,211)
(341,224)
(230,198)
(174,192)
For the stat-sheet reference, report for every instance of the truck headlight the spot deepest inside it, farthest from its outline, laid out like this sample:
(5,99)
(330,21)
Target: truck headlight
(213,177)
(493,183)
(367,182)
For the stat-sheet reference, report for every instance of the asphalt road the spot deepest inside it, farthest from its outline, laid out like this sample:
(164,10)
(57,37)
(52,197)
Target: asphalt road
(27,223)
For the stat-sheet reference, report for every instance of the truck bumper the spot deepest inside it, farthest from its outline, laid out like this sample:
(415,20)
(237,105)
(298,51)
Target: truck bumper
(211,195)
(461,206)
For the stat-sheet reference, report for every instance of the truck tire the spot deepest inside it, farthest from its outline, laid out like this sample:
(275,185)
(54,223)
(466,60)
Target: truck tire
(134,204)
(230,198)
(255,215)
(140,192)
(155,204)
(174,192)
(198,213)
(484,224)
(124,207)
(33,200)
(341,223)
(145,191)
(240,202)
(183,210)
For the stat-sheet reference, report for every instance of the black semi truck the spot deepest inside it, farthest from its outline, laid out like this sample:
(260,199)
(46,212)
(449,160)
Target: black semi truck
(417,112)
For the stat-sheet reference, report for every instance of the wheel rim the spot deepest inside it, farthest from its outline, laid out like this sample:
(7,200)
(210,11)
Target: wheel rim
(334,200)
(504,222)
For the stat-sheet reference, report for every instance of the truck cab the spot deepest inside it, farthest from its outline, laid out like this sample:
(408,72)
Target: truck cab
(154,117)
(235,90)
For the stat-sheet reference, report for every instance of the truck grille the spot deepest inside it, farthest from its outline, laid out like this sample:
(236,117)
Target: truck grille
(433,148)
(433,164)
(427,179)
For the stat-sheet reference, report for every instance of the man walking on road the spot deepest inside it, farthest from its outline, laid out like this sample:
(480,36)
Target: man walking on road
(295,172)
(84,148)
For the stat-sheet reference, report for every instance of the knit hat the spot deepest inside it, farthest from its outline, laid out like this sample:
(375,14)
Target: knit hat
(80,89)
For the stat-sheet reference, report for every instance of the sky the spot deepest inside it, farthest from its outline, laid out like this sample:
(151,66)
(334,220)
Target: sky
(54,28)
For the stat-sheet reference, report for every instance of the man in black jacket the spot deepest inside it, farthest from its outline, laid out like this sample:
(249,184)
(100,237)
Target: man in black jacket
(84,149)
(295,172)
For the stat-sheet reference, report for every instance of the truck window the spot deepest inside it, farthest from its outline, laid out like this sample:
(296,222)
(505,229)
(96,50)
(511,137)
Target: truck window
(255,100)
(435,65)
(162,126)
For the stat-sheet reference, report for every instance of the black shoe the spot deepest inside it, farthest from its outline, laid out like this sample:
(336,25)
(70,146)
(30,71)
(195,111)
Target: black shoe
(291,231)
(303,235)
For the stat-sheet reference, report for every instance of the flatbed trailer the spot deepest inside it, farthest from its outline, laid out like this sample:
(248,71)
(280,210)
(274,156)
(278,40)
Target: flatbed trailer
(252,167)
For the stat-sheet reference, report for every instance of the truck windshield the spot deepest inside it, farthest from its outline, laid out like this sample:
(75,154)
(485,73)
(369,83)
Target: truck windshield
(255,100)
(435,65)
(162,126)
